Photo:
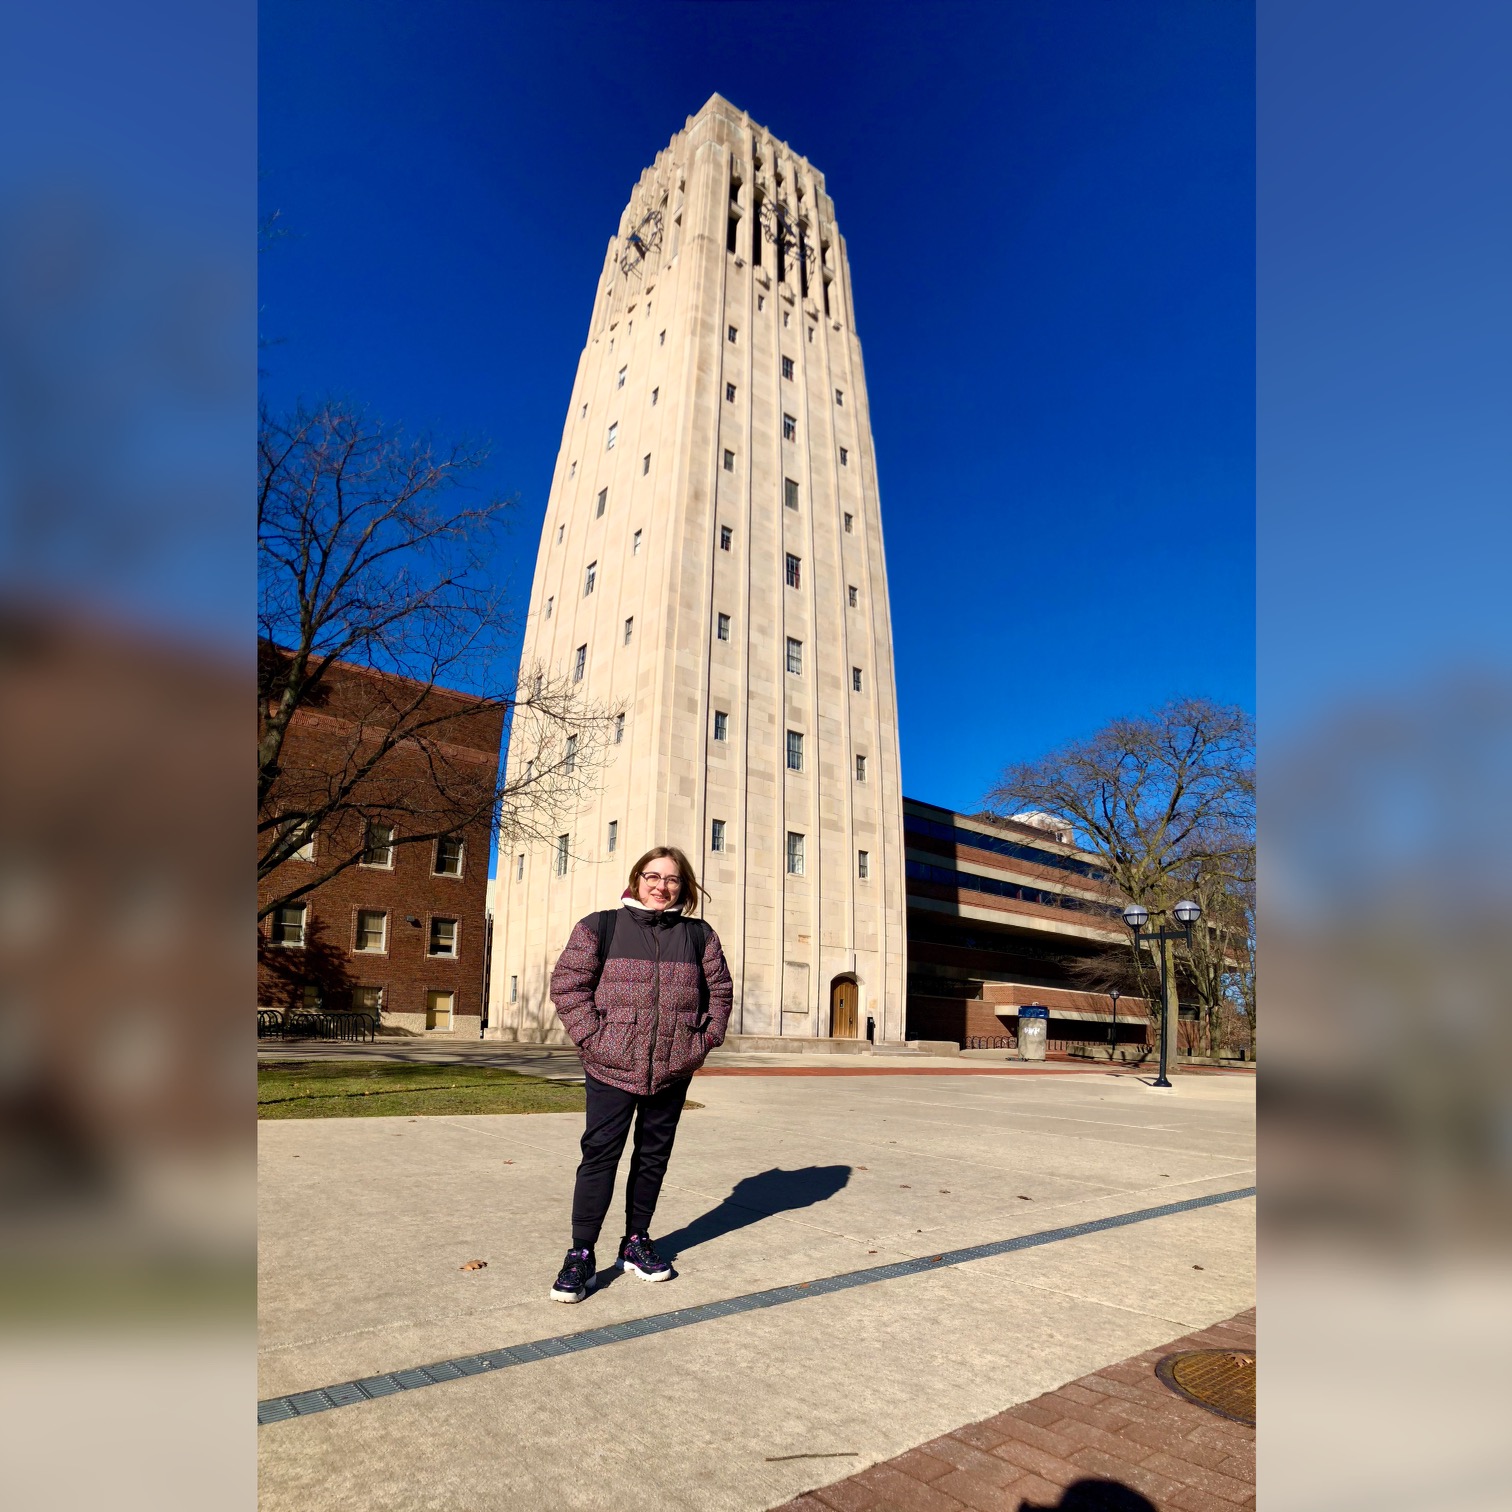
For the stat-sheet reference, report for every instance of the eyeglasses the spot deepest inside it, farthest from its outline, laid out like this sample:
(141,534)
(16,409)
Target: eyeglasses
(656,880)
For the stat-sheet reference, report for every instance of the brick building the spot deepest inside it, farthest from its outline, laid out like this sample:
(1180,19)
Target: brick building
(404,933)
(998,912)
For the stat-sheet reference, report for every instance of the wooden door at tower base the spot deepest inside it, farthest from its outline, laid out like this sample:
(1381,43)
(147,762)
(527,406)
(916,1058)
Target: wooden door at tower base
(843,995)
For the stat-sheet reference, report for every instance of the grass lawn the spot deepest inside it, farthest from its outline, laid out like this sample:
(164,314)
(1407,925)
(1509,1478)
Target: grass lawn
(378,1089)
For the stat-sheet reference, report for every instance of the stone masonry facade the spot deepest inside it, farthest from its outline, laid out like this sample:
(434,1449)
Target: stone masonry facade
(711,565)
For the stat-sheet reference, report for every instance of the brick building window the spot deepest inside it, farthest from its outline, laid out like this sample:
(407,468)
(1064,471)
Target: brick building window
(438,1008)
(860,769)
(372,931)
(716,835)
(288,926)
(721,725)
(855,679)
(789,428)
(790,493)
(794,571)
(449,856)
(787,367)
(794,854)
(305,852)
(726,536)
(722,627)
(580,663)
(613,842)
(863,864)
(367,999)
(603,499)
(795,655)
(795,750)
(562,843)
(443,937)
(378,845)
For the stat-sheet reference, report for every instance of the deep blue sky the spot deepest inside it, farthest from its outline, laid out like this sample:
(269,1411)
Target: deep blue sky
(1049,214)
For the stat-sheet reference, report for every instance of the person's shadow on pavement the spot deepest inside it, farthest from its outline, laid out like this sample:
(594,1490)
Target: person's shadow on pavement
(754,1198)
(1095,1496)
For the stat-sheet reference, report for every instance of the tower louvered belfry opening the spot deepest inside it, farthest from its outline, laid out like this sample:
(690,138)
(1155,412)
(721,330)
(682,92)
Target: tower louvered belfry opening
(717,471)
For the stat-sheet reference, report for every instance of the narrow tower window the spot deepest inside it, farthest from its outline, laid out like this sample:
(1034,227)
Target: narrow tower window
(794,571)
(580,663)
(619,382)
(732,335)
(726,536)
(839,400)
(795,750)
(645,464)
(850,589)
(654,393)
(635,541)
(716,835)
(790,493)
(629,629)
(562,844)
(569,761)
(855,679)
(603,500)
(795,656)
(863,864)
(619,728)
(612,437)
(722,628)
(590,578)
(550,604)
(787,367)
(789,428)
(794,854)
(729,393)
(729,460)
(721,725)
(860,769)
(613,842)
(844,457)
(849,524)
(732,229)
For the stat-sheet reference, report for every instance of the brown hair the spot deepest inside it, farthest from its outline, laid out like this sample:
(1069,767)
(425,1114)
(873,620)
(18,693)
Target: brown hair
(687,895)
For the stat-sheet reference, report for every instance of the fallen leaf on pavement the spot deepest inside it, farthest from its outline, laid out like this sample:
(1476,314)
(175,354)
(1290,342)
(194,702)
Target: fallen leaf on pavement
(474,1265)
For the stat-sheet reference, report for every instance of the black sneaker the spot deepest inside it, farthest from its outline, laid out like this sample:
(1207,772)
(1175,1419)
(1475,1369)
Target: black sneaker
(638,1255)
(577,1277)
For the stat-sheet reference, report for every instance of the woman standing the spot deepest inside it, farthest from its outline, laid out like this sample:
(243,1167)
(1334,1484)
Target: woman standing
(645,994)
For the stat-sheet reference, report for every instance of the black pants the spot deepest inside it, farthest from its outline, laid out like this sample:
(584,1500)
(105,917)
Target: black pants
(610,1112)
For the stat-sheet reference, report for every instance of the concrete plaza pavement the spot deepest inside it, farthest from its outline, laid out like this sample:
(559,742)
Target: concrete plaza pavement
(775,1180)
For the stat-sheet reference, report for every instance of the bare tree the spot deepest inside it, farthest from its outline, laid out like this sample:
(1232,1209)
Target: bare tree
(372,559)
(1167,803)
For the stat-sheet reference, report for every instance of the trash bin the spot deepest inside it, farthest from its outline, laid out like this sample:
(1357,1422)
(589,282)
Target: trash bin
(1033,1030)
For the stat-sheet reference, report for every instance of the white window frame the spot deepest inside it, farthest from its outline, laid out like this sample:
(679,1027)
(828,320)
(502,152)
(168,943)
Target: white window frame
(461,857)
(635,543)
(795,854)
(795,656)
(358,948)
(722,627)
(856,680)
(580,662)
(612,840)
(863,866)
(717,835)
(276,924)
(367,845)
(563,855)
(612,437)
(619,381)
(793,751)
(590,578)
(721,725)
(455,952)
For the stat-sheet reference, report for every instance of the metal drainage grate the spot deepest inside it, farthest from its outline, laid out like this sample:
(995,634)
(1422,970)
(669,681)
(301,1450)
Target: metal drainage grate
(1222,1380)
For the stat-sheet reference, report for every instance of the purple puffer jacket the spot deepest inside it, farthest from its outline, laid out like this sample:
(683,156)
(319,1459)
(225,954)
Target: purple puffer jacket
(648,1022)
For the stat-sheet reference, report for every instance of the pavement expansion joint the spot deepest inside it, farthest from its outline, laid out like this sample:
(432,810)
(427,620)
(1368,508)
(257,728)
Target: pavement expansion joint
(349,1393)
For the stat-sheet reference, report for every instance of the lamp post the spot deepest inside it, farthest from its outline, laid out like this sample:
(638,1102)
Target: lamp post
(1137,917)
(1113,1030)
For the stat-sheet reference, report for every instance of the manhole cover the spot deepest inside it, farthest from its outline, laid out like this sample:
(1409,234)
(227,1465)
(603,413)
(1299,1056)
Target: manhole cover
(1222,1380)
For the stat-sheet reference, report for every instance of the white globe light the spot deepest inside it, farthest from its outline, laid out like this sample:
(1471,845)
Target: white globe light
(1135,916)
(1187,912)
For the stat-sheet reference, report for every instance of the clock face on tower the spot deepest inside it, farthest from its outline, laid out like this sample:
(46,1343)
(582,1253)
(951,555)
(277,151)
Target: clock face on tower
(782,231)
(640,243)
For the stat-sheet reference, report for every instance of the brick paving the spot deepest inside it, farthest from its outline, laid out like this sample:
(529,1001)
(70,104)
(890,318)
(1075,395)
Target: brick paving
(1114,1441)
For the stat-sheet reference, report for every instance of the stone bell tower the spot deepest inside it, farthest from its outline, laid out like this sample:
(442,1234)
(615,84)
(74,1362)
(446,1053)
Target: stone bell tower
(711,562)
